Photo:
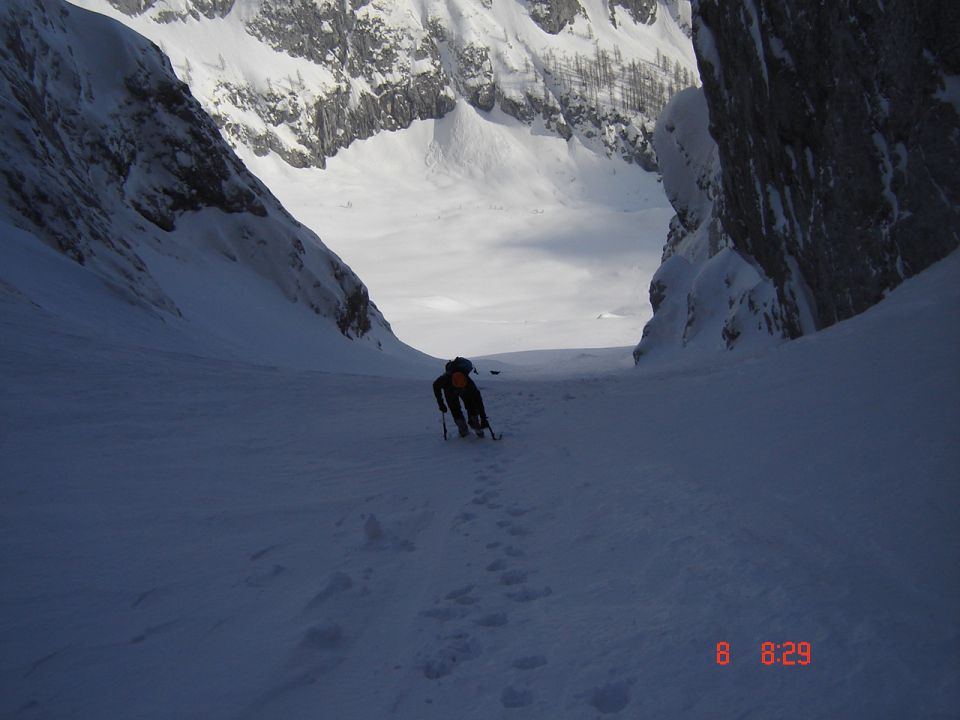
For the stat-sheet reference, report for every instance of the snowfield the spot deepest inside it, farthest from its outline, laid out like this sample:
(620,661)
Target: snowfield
(188,533)
(506,239)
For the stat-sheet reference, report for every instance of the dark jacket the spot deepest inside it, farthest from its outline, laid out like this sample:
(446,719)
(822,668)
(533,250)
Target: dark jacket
(470,395)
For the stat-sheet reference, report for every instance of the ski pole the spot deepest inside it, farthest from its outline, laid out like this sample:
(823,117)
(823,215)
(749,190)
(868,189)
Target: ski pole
(493,435)
(444,421)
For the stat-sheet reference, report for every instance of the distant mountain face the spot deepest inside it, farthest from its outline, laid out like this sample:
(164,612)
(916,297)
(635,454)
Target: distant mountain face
(304,78)
(109,159)
(832,175)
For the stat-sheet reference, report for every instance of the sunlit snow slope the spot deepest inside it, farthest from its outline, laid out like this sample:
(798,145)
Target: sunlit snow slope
(185,537)
(476,236)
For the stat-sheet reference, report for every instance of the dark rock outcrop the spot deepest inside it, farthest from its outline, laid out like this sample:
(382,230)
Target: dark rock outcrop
(619,134)
(643,12)
(554,15)
(303,28)
(836,125)
(353,47)
(196,9)
(475,79)
(133,7)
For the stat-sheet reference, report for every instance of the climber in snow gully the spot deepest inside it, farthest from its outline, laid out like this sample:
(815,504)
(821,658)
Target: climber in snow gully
(456,385)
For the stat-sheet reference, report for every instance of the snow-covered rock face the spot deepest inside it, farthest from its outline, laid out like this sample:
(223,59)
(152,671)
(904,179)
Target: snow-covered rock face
(835,176)
(554,15)
(706,295)
(642,11)
(305,78)
(110,160)
(837,143)
(364,54)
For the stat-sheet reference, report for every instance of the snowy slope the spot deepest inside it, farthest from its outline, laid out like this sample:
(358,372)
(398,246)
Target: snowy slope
(475,236)
(111,162)
(228,313)
(195,538)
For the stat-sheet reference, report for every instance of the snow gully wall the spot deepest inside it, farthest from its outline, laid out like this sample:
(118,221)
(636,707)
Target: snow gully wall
(110,160)
(836,126)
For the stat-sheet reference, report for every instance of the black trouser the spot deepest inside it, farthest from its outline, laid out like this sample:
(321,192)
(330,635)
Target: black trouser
(473,406)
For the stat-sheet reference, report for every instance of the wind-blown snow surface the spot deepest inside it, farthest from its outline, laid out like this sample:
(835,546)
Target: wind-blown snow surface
(194,538)
(475,235)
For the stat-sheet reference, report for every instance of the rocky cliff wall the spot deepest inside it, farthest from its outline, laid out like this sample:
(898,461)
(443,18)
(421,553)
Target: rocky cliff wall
(836,129)
(706,295)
